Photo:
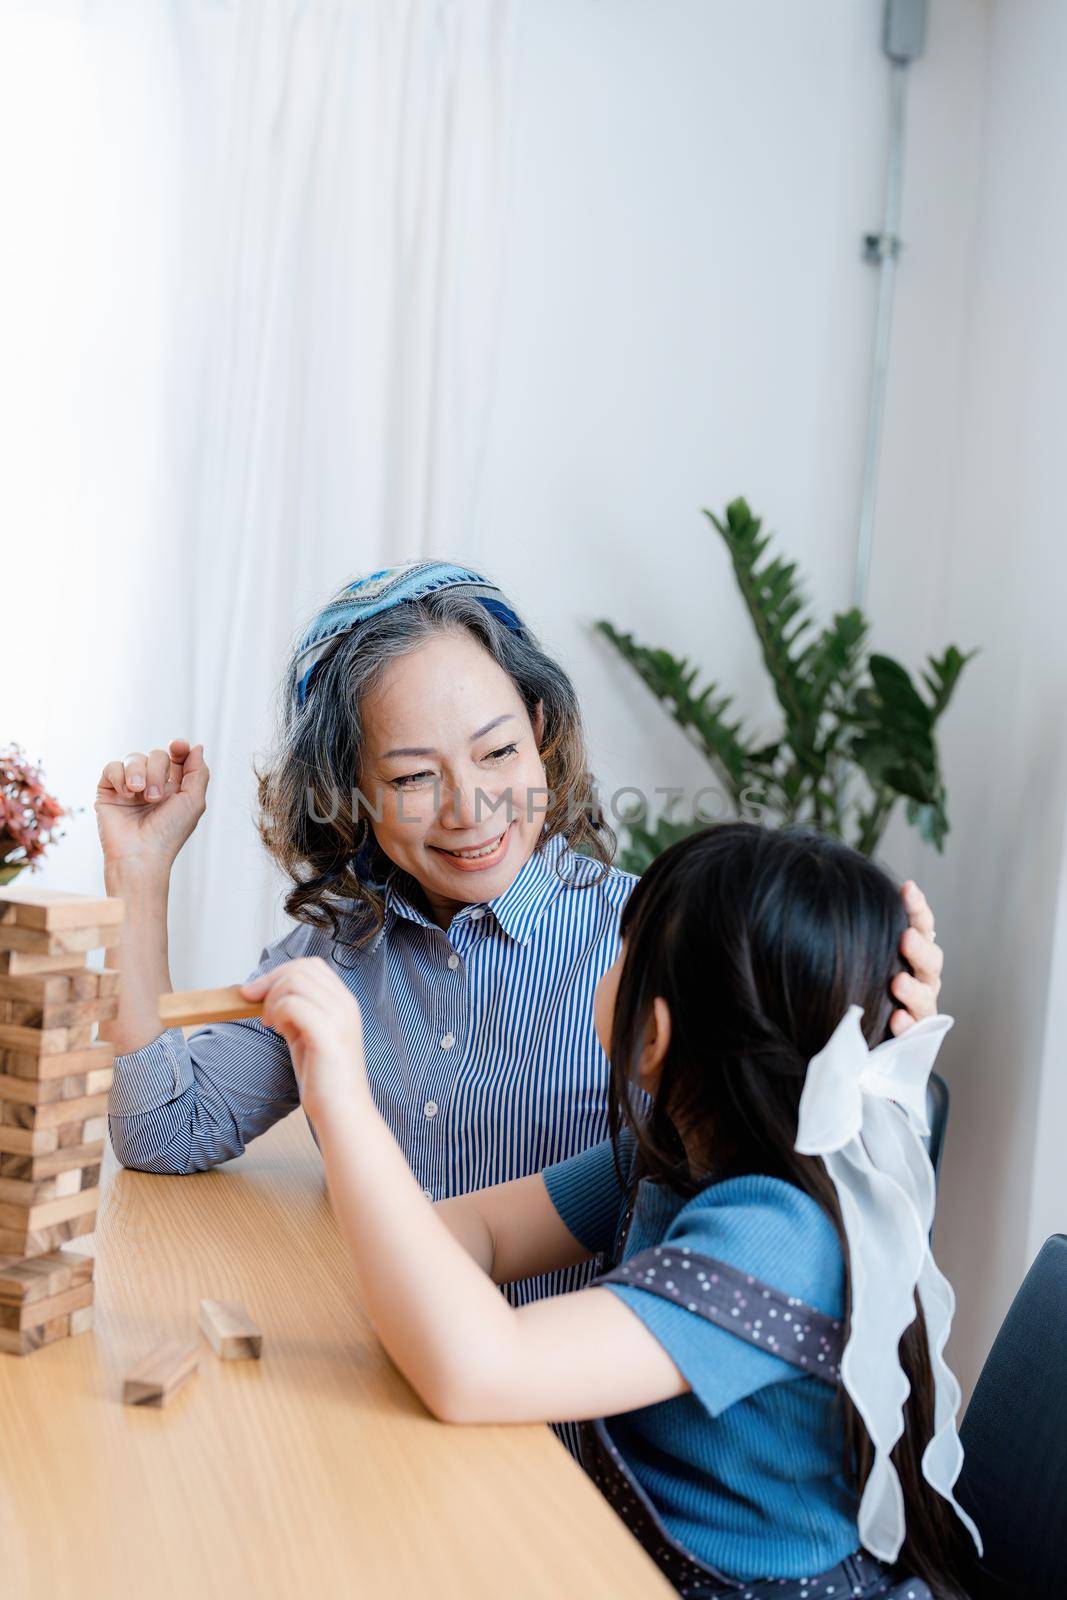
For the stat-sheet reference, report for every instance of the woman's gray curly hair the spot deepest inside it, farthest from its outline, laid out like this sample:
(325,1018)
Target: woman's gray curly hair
(309,788)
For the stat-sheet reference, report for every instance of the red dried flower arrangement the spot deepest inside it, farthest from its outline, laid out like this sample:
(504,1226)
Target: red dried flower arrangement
(28,813)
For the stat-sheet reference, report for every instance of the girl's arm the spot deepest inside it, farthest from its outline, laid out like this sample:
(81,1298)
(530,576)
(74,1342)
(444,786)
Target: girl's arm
(468,1354)
(512,1230)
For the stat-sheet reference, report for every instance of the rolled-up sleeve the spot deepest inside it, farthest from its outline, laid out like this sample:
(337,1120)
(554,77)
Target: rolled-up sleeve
(182,1105)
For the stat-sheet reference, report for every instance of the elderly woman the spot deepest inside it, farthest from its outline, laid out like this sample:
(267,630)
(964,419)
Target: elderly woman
(431,801)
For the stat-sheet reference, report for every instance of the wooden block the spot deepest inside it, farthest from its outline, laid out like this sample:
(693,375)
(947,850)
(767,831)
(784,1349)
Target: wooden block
(46,1276)
(65,1013)
(230,1331)
(17,963)
(156,1379)
(64,942)
(28,1141)
(34,1191)
(43,1091)
(17,1242)
(72,1136)
(48,1212)
(67,941)
(36,1041)
(192,1006)
(68,1064)
(23,1342)
(46,988)
(34,1312)
(16,1114)
(66,1158)
(51,908)
(107,981)
(81,1321)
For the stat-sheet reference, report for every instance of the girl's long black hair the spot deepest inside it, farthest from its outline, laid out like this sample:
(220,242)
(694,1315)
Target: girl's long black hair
(759,941)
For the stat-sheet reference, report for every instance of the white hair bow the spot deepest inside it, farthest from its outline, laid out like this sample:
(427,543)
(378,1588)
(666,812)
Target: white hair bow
(863,1112)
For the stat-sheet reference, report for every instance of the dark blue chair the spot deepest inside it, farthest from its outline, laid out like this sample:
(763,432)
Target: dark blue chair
(1014,1435)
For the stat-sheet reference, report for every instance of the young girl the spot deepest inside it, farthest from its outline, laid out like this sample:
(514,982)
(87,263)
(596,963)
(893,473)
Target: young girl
(762,1208)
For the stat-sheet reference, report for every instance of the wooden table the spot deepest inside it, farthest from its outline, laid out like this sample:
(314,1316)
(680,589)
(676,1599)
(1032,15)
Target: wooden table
(314,1471)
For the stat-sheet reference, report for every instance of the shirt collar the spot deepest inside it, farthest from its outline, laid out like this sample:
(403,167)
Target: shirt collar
(517,910)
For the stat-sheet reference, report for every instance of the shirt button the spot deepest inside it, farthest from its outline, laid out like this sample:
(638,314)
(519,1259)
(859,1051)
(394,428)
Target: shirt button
(428,1193)
(430,1108)
(453,961)
(448,1041)
(477,913)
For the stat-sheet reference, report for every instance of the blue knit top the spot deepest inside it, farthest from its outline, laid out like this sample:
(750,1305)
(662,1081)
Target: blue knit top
(746,1470)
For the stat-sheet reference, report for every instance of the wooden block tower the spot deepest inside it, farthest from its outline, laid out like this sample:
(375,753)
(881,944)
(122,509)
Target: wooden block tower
(54,1082)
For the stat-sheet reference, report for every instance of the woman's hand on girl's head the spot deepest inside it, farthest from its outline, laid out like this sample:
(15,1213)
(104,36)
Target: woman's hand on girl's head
(306,1002)
(917,990)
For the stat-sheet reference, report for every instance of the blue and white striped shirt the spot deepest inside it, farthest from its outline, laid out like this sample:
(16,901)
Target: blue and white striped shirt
(481,1050)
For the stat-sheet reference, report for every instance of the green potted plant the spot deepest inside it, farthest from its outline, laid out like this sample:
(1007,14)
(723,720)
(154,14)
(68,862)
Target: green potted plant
(28,813)
(857,735)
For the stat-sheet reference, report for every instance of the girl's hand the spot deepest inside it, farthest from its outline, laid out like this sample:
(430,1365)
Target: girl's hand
(148,805)
(306,1002)
(918,990)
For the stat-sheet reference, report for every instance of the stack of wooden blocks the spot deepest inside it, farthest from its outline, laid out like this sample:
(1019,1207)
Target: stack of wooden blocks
(54,1082)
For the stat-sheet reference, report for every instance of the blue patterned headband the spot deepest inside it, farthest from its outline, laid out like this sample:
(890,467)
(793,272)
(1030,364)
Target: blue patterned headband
(368,597)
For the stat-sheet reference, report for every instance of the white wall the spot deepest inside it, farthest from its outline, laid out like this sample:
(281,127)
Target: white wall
(996,576)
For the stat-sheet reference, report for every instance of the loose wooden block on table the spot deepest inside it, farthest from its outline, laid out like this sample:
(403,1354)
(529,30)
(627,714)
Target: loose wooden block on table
(161,1374)
(230,1331)
(52,909)
(187,1007)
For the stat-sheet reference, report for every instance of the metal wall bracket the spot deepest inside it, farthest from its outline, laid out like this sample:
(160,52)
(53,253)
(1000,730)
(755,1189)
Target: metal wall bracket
(879,247)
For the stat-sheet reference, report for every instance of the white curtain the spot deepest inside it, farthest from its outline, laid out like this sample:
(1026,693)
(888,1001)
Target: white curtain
(318,192)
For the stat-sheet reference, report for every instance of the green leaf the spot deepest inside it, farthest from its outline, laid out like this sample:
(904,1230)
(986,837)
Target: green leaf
(942,677)
(671,682)
(644,844)
(833,657)
(773,598)
(931,821)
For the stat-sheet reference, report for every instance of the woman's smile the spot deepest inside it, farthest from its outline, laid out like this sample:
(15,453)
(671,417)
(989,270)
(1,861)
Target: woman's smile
(476,858)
